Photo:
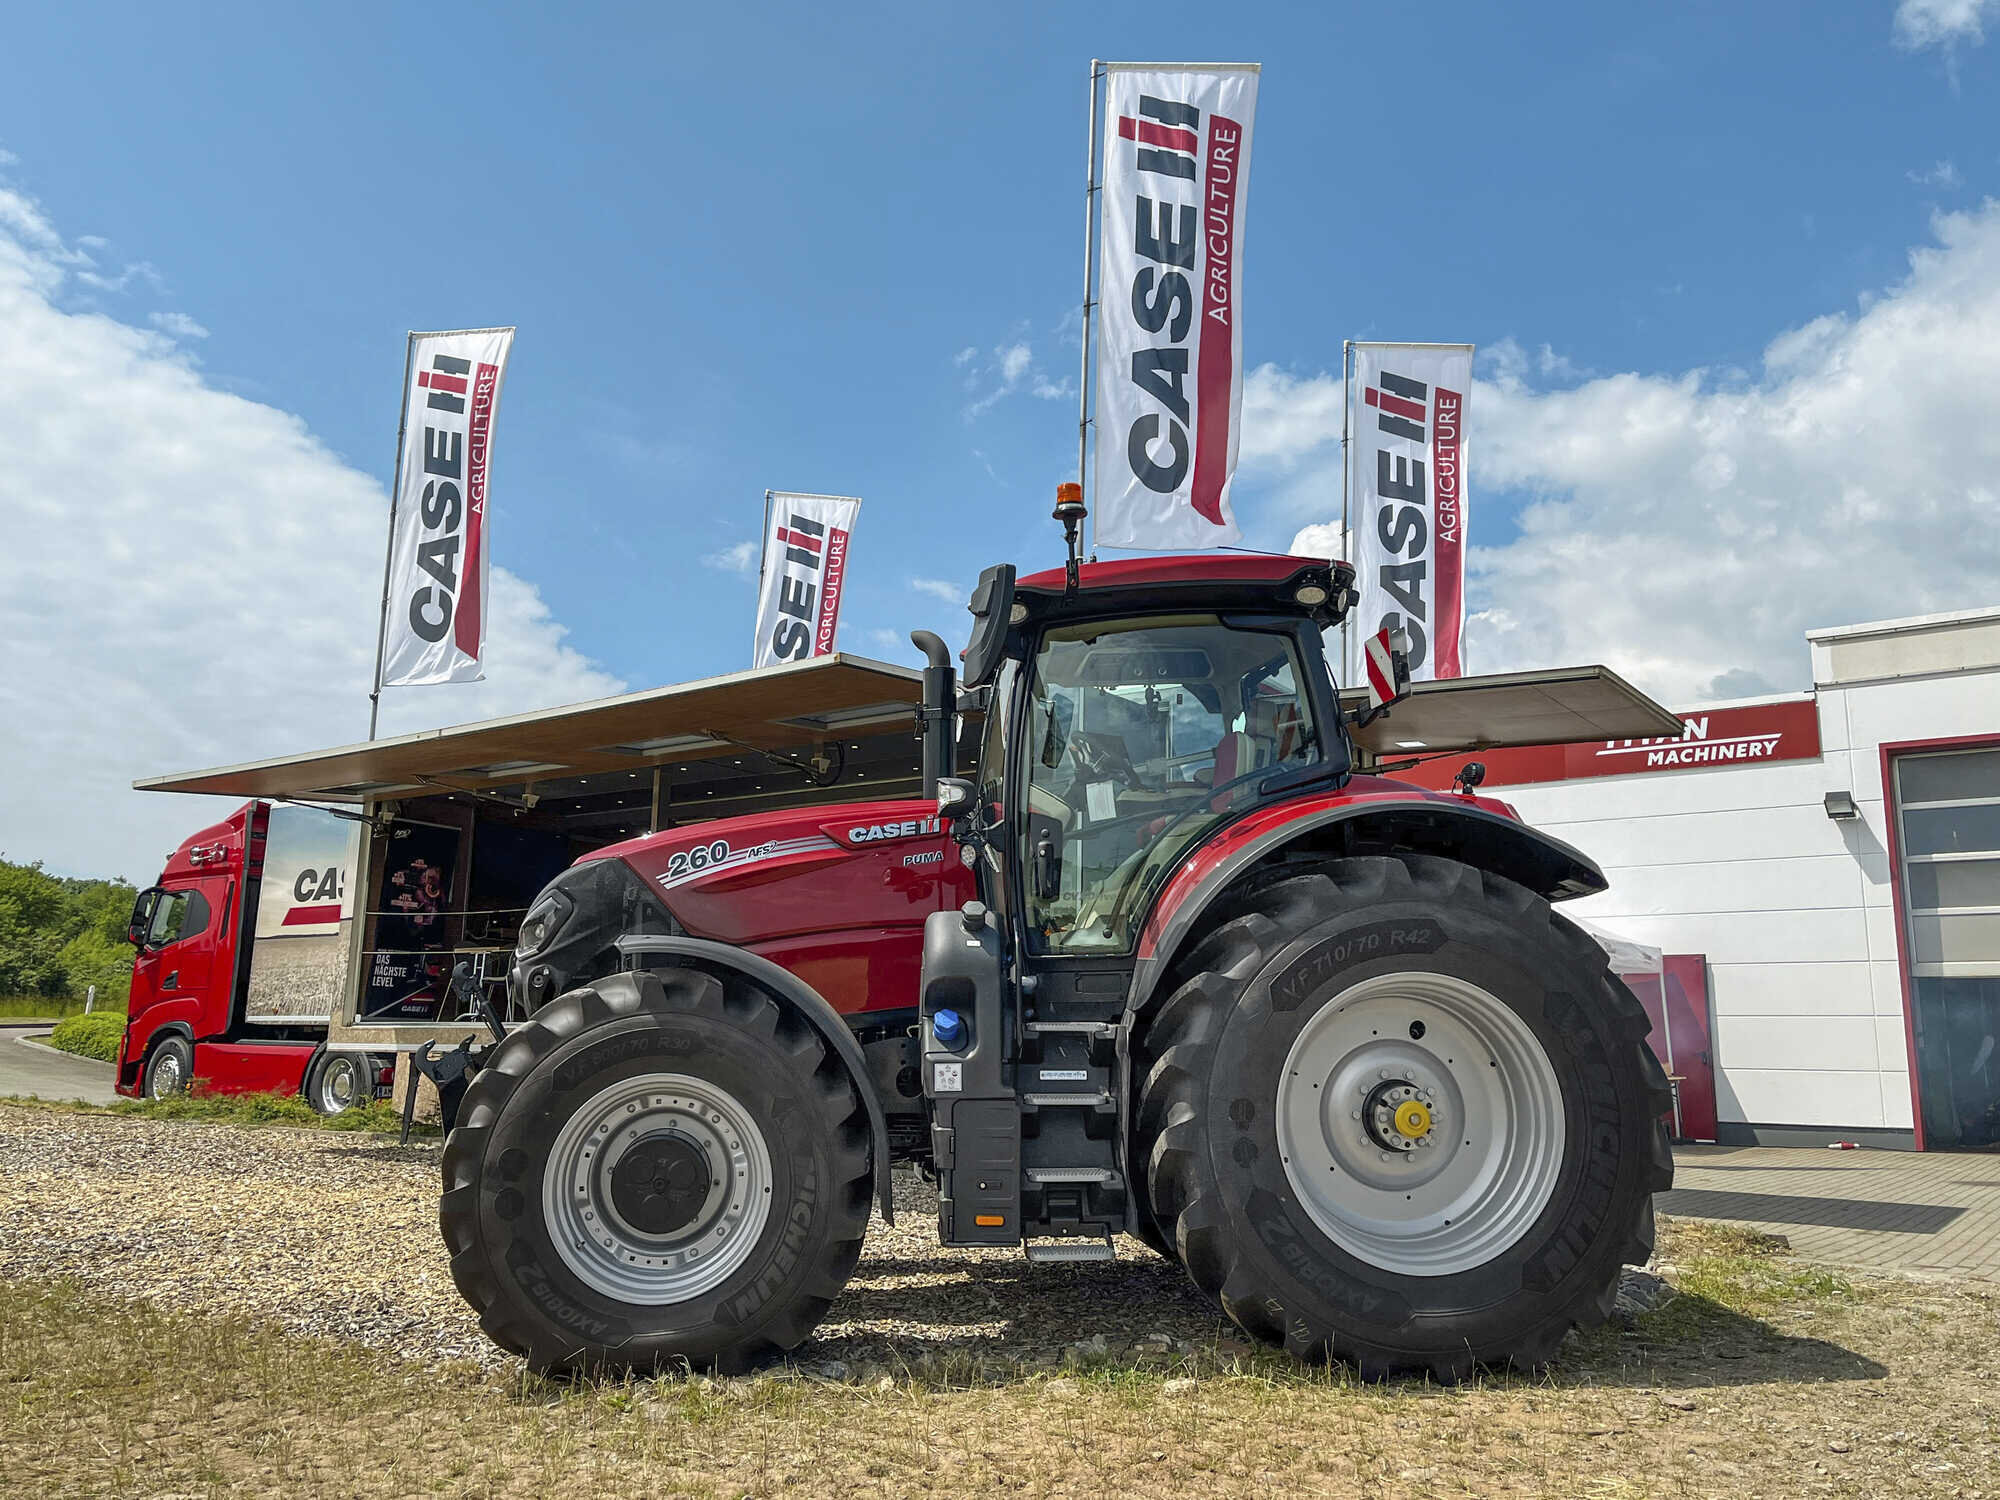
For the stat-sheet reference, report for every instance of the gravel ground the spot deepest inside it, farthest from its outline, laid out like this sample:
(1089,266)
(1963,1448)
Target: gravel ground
(337,1235)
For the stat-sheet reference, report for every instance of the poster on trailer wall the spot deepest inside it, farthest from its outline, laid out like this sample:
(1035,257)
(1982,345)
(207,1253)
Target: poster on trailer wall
(800,584)
(434,622)
(1407,420)
(1169,372)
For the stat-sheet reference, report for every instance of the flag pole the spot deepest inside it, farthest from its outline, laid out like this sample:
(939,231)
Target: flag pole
(1346,542)
(389,552)
(1089,304)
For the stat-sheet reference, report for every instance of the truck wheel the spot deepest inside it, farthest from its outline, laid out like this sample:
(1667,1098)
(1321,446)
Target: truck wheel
(667,1166)
(170,1070)
(1397,1112)
(337,1081)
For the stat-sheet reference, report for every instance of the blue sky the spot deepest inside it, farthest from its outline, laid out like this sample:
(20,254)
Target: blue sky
(751,247)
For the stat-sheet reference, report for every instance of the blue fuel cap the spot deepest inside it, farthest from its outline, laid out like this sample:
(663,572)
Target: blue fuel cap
(949,1028)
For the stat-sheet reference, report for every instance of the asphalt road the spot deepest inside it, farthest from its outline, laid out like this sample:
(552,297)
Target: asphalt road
(30,1068)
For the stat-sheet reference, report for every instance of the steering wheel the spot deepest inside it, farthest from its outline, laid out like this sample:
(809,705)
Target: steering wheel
(1102,757)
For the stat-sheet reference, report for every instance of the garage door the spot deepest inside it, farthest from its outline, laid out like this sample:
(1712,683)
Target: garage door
(1948,812)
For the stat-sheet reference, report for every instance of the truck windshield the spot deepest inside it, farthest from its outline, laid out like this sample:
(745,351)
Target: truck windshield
(1142,736)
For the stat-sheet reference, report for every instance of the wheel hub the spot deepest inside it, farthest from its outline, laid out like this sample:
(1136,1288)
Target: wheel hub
(657,1188)
(1398,1115)
(1420,1123)
(659,1185)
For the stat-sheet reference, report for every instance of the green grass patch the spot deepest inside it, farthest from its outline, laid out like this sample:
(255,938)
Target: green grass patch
(377,1116)
(97,1035)
(42,1008)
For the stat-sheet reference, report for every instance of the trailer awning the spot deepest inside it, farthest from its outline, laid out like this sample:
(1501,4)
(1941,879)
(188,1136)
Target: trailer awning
(1555,706)
(830,703)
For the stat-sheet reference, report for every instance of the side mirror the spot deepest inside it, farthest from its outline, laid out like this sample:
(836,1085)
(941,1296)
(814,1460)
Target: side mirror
(1386,664)
(992,610)
(142,916)
(955,798)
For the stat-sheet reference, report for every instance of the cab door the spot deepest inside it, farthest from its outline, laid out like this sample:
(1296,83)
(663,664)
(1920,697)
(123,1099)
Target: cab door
(177,961)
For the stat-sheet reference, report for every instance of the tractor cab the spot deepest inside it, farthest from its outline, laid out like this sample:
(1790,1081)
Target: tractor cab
(1131,709)
(1123,733)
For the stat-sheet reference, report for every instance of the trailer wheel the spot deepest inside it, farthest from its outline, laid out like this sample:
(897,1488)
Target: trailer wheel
(1397,1112)
(170,1069)
(338,1081)
(664,1167)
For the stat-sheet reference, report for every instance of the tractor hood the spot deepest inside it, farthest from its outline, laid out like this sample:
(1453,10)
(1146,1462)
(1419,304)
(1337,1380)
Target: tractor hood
(851,864)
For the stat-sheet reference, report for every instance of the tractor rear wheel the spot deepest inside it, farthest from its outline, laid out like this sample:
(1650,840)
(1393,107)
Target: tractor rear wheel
(1397,1112)
(664,1167)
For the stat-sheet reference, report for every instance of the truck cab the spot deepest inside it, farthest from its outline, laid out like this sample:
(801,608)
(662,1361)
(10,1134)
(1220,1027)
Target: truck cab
(210,1004)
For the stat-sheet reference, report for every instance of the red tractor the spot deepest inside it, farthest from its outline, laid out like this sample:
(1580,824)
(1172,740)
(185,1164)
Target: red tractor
(1166,965)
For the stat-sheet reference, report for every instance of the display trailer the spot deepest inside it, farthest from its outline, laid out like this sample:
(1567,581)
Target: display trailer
(451,834)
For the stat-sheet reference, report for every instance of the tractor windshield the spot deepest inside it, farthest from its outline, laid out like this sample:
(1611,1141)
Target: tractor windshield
(1142,736)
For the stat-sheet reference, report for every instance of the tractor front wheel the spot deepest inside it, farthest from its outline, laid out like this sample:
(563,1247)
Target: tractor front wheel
(1397,1111)
(664,1167)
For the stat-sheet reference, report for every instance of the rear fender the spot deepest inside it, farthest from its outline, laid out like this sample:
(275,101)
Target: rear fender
(701,953)
(1447,827)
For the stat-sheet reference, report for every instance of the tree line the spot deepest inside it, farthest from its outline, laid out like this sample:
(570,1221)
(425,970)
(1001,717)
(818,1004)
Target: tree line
(59,936)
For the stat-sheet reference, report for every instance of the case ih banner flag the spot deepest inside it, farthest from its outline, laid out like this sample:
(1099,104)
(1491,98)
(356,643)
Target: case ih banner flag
(805,564)
(1169,383)
(434,620)
(1407,418)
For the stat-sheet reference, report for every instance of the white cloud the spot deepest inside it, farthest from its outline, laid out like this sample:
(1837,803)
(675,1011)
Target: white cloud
(178,325)
(138,270)
(1941,23)
(1321,539)
(1688,528)
(738,557)
(1011,368)
(940,588)
(1943,175)
(189,579)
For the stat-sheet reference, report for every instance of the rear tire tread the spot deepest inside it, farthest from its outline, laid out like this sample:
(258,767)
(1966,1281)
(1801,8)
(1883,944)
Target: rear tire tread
(1175,1037)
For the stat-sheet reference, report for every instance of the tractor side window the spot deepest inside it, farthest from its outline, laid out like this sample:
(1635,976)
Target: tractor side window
(1142,736)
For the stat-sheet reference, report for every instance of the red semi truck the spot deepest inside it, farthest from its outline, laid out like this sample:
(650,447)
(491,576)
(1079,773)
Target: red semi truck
(242,950)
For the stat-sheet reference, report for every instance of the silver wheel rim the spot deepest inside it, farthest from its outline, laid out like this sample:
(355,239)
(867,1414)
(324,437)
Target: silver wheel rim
(167,1073)
(1483,1168)
(650,1112)
(339,1085)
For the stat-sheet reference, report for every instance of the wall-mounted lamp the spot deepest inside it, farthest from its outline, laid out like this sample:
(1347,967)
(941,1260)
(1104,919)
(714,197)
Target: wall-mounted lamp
(1840,806)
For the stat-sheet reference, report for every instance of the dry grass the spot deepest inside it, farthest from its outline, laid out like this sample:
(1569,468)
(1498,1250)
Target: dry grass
(1765,1377)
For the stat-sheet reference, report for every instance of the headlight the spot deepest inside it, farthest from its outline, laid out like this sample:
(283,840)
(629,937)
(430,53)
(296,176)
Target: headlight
(544,920)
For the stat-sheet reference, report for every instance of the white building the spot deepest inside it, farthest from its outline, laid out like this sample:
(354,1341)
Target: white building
(1835,856)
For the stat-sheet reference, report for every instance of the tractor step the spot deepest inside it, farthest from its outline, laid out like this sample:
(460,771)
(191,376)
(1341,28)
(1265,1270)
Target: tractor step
(1070,1028)
(1089,1101)
(1049,1251)
(1071,1174)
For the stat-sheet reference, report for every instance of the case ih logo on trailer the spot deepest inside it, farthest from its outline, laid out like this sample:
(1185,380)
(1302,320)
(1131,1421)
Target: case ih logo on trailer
(805,564)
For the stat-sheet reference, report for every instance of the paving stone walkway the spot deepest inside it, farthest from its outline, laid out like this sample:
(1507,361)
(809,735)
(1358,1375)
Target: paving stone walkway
(1889,1210)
